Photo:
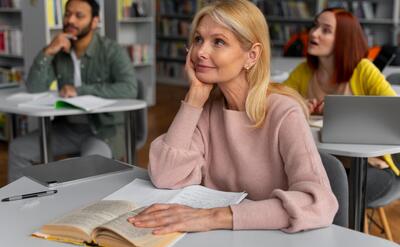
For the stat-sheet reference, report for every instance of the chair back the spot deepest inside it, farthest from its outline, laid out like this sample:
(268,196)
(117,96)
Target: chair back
(394,78)
(141,118)
(339,184)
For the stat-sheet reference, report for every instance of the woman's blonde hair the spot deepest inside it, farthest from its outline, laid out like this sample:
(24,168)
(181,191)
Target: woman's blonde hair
(249,26)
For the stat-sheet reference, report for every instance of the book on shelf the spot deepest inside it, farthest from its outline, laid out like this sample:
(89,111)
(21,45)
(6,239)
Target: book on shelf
(10,4)
(140,53)
(171,69)
(11,74)
(367,10)
(384,11)
(181,7)
(50,100)
(105,222)
(10,41)
(131,8)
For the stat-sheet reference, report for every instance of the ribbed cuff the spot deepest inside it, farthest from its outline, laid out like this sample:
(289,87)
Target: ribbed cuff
(268,214)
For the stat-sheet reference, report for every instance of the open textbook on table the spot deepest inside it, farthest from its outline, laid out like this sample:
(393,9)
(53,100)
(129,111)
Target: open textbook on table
(105,223)
(51,100)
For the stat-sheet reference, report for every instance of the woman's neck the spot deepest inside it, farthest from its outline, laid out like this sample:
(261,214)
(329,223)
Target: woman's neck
(326,65)
(235,93)
(325,70)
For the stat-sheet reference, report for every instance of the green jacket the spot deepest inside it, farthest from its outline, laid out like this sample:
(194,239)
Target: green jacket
(106,71)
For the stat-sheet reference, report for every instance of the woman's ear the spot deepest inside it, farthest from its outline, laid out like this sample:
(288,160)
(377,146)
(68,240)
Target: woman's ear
(253,54)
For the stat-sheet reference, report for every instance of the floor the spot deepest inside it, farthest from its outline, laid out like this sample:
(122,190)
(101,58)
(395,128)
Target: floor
(159,119)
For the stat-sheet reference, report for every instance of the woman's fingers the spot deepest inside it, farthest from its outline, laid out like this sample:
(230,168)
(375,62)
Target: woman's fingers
(148,211)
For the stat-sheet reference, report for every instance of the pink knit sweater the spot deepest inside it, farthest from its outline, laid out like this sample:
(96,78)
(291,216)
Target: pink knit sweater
(278,164)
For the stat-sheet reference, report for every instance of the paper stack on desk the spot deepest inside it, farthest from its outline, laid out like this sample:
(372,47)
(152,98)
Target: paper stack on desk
(50,100)
(105,222)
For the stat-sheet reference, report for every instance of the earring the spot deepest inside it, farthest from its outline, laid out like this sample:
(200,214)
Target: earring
(246,67)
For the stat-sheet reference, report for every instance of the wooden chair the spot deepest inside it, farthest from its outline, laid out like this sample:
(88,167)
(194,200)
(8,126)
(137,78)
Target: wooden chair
(378,205)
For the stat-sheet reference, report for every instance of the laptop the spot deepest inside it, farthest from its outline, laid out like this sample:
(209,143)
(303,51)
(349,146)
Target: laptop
(361,120)
(74,170)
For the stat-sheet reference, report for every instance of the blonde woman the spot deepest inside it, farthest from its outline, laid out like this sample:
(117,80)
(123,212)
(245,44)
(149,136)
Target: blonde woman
(247,135)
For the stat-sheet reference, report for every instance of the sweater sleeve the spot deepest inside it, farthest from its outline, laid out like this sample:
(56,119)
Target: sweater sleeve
(308,202)
(177,157)
(374,81)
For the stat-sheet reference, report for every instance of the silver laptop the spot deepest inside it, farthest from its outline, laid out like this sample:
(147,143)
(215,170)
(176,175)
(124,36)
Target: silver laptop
(74,170)
(361,120)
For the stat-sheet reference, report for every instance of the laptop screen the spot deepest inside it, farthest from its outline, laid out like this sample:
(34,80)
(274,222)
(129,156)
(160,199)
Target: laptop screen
(361,119)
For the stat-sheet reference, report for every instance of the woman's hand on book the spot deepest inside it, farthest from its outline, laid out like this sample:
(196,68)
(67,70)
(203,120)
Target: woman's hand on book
(167,218)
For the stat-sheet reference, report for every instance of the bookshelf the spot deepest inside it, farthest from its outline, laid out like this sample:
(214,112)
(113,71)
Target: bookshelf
(173,24)
(132,25)
(11,54)
(379,18)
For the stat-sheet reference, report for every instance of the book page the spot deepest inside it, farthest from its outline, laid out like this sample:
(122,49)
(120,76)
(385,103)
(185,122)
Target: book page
(198,196)
(94,215)
(23,96)
(86,102)
(45,102)
(143,193)
(122,230)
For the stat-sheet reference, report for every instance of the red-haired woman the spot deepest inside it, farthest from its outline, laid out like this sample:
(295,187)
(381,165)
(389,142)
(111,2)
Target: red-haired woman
(337,64)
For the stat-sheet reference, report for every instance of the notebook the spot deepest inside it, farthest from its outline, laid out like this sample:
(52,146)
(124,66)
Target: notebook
(361,120)
(53,101)
(74,170)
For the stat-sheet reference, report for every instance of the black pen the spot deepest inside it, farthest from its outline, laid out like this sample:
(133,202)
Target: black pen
(30,195)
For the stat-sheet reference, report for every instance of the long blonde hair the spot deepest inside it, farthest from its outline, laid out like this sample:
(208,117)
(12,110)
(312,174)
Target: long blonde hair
(249,26)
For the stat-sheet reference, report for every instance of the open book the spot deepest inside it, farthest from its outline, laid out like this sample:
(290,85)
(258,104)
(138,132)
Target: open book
(53,101)
(105,222)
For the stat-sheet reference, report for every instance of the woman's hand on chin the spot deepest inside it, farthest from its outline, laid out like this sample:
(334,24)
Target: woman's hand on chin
(199,91)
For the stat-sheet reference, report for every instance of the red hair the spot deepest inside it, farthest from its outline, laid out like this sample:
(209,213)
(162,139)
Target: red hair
(349,48)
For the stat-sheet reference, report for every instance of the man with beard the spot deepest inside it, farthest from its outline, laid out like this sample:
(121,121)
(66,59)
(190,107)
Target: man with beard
(83,63)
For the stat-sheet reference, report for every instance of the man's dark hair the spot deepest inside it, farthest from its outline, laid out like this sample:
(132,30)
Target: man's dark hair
(93,5)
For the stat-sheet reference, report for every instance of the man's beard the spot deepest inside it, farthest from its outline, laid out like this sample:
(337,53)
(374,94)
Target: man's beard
(83,33)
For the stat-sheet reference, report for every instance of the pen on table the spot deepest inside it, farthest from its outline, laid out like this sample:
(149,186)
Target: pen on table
(30,195)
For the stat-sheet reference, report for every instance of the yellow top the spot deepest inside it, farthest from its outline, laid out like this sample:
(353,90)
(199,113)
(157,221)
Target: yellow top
(365,80)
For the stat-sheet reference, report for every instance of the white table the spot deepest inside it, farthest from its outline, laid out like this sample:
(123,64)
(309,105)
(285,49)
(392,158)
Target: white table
(282,66)
(20,218)
(396,88)
(358,171)
(123,105)
(388,70)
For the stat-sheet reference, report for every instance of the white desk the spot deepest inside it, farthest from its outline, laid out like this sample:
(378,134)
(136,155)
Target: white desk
(358,171)
(123,105)
(282,66)
(397,89)
(388,70)
(20,218)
